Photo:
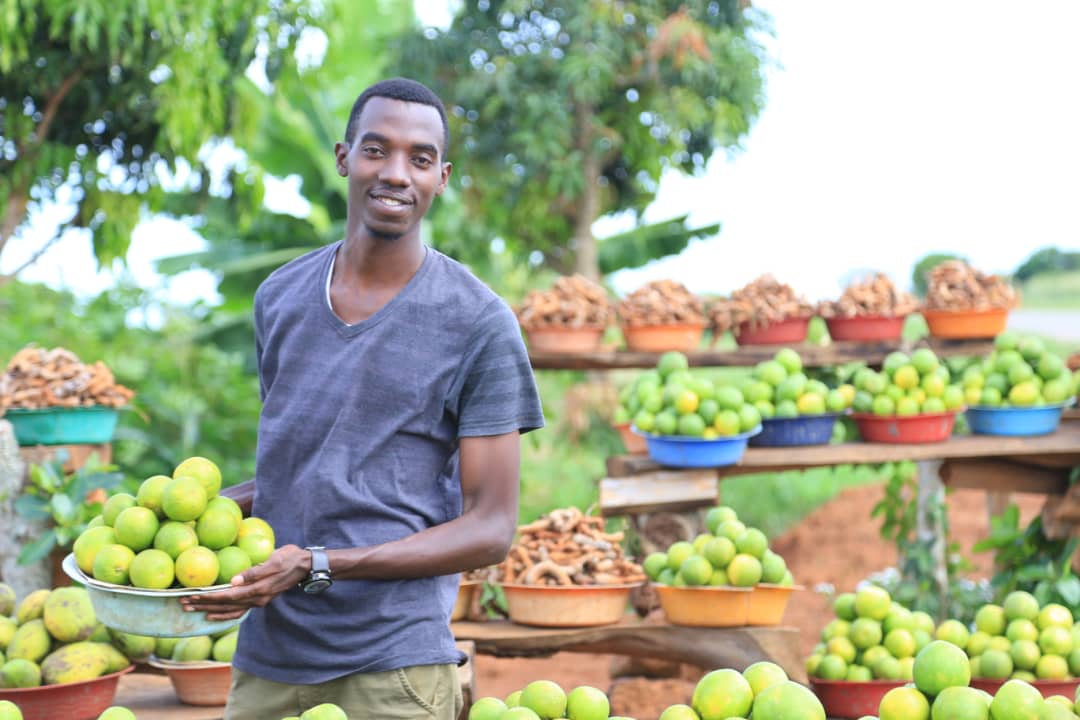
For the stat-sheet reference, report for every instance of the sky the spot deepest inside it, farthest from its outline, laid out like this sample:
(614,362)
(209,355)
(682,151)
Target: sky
(890,130)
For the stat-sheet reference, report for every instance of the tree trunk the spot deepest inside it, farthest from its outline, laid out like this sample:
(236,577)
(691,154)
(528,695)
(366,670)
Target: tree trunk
(586,253)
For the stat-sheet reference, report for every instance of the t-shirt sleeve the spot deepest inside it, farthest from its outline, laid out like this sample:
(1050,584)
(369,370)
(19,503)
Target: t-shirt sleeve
(498,394)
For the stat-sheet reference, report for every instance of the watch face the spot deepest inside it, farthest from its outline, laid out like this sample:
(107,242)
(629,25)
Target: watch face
(314,587)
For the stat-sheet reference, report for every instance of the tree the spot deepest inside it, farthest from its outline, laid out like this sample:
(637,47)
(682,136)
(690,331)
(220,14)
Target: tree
(101,96)
(564,110)
(1047,260)
(920,274)
(296,127)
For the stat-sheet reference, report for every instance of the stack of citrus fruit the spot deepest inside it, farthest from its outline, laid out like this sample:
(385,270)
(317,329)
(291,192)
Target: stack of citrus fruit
(762,689)
(729,554)
(1020,640)
(871,638)
(176,531)
(941,691)
(670,400)
(907,385)
(779,388)
(1020,372)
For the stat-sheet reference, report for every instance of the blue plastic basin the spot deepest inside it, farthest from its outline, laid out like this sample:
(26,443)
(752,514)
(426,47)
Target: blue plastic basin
(682,451)
(1041,420)
(63,426)
(802,430)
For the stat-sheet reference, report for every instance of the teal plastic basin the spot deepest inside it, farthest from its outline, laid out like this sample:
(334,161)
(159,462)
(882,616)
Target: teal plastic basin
(156,613)
(63,426)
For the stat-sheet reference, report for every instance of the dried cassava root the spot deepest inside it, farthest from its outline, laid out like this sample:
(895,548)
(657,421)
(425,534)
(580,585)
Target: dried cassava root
(876,295)
(955,285)
(573,302)
(662,302)
(567,547)
(761,303)
(39,378)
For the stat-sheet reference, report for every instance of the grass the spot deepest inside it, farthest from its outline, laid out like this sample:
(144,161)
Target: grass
(1051,291)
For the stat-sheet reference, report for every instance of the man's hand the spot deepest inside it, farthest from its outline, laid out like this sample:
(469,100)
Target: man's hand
(256,586)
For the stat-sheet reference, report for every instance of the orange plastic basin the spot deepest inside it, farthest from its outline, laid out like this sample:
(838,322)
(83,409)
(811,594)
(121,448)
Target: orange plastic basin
(635,444)
(864,328)
(899,429)
(661,338)
(70,701)
(786,331)
(848,699)
(966,323)
(567,340)
(768,603)
(705,606)
(567,606)
(198,683)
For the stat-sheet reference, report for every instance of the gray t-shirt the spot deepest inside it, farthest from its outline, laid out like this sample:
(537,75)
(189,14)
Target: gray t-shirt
(358,445)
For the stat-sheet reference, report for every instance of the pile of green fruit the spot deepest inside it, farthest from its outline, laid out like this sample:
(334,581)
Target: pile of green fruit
(670,400)
(176,531)
(779,388)
(918,384)
(941,691)
(1020,372)
(871,638)
(198,648)
(1021,640)
(53,638)
(728,554)
(763,690)
(325,711)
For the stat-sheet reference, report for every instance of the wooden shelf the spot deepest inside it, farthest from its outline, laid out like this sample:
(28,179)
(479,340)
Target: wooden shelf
(872,353)
(1063,445)
(706,647)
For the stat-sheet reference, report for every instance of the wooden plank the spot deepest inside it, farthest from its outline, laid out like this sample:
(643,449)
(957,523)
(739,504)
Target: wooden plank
(705,647)
(872,353)
(1064,442)
(660,490)
(1000,476)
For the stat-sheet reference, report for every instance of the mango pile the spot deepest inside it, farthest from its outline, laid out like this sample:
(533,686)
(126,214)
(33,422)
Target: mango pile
(763,689)
(177,531)
(780,388)
(670,400)
(53,638)
(918,384)
(730,553)
(871,638)
(1020,372)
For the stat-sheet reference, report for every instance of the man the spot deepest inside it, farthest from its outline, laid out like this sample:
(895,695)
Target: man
(395,387)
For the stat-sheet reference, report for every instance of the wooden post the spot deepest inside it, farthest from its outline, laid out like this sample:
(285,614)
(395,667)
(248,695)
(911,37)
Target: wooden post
(930,528)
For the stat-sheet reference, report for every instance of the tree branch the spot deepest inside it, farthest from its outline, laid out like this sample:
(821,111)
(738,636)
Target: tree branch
(20,197)
(5,279)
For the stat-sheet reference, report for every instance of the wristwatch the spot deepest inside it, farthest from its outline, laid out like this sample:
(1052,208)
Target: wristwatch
(318,578)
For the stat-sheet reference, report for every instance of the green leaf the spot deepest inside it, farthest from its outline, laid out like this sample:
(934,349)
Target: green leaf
(1069,589)
(33,508)
(38,549)
(63,509)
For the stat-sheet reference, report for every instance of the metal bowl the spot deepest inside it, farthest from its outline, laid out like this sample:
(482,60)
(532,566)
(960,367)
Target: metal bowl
(155,613)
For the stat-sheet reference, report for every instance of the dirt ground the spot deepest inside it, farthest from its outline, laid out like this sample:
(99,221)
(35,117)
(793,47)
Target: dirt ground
(836,545)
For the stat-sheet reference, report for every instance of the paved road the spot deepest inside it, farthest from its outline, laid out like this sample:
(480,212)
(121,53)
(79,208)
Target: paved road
(1061,324)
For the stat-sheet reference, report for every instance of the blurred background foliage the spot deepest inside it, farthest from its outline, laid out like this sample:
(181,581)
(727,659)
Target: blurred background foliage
(561,112)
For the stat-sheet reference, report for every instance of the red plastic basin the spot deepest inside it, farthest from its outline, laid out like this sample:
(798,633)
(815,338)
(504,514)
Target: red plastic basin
(70,701)
(927,428)
(1046,687)
(865,327)
(787,331)
(847,699)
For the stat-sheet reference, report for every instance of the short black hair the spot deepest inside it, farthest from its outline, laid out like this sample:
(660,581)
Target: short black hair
(398,88)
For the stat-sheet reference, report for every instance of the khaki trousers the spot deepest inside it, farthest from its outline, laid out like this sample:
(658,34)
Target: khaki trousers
(412,693)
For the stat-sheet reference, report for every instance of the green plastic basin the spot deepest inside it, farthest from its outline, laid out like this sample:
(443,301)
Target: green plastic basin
(63,426)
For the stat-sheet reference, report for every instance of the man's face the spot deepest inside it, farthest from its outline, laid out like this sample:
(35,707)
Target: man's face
(394,166)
